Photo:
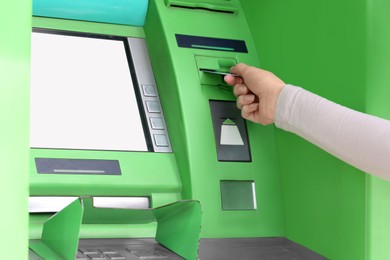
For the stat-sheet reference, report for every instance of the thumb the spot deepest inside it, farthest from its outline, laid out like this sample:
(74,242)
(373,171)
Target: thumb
(232,80)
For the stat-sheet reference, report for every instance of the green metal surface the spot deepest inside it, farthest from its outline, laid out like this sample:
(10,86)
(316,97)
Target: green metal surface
(378,93)
(320,46)
(15,24)
(185,102)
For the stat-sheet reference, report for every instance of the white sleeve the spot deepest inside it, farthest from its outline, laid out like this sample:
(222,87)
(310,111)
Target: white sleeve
(359,139)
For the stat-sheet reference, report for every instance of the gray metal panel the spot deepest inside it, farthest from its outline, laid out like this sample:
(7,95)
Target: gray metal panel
(77,166)
(278,248)
(148,90)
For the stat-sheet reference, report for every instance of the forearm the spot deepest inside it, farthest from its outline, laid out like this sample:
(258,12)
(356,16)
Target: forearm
(358,139)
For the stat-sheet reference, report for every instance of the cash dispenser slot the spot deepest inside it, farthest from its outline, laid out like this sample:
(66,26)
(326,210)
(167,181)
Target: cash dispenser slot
(217,6)
(210,43)
(52,204)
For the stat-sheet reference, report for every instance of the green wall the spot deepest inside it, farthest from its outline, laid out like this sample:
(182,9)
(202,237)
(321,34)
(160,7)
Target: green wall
(15,17)
(321,46)
(378,93)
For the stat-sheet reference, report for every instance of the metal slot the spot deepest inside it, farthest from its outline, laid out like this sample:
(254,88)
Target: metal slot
(52,204)
(40,204)
(78,171)
(77,166)
(121,202)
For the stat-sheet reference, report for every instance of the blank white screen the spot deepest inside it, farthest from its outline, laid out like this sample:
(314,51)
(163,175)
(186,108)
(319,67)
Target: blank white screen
(82,95)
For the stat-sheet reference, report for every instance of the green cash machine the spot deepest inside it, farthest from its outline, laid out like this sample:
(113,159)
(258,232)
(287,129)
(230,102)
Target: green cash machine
(137,151)
(125,123)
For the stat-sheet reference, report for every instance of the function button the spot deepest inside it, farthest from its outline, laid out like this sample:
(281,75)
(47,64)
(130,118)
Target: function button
(107,251)
(116,256)
(153,106)
(157,123)
(149,90)
(99,257)
(161,140)
(80,256)
(148,254)
(89,251)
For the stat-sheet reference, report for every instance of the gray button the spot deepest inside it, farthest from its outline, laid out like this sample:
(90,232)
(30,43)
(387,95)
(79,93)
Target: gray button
(153,106)
(148,254)
(157,123)
(89,251)
(152,257)
(107,251)
(116,256)
(161,140)
(149,90)
(99,257)
(81,257)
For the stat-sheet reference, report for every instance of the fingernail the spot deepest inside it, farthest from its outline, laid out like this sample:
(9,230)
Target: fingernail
(250,97)
(242,89)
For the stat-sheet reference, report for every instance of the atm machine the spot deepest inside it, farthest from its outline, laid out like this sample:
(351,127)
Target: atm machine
(137,148)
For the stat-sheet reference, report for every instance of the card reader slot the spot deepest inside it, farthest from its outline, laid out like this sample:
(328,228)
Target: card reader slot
(217,72)
(213,69)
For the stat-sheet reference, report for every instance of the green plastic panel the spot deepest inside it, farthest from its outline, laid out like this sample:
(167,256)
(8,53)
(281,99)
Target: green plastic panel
(320,46)
(15,24)
(185,101)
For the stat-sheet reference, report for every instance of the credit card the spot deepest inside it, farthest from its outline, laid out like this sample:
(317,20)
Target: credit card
(218,72)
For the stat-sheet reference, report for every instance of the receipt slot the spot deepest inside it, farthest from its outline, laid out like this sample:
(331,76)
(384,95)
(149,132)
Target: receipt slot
(230,132)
